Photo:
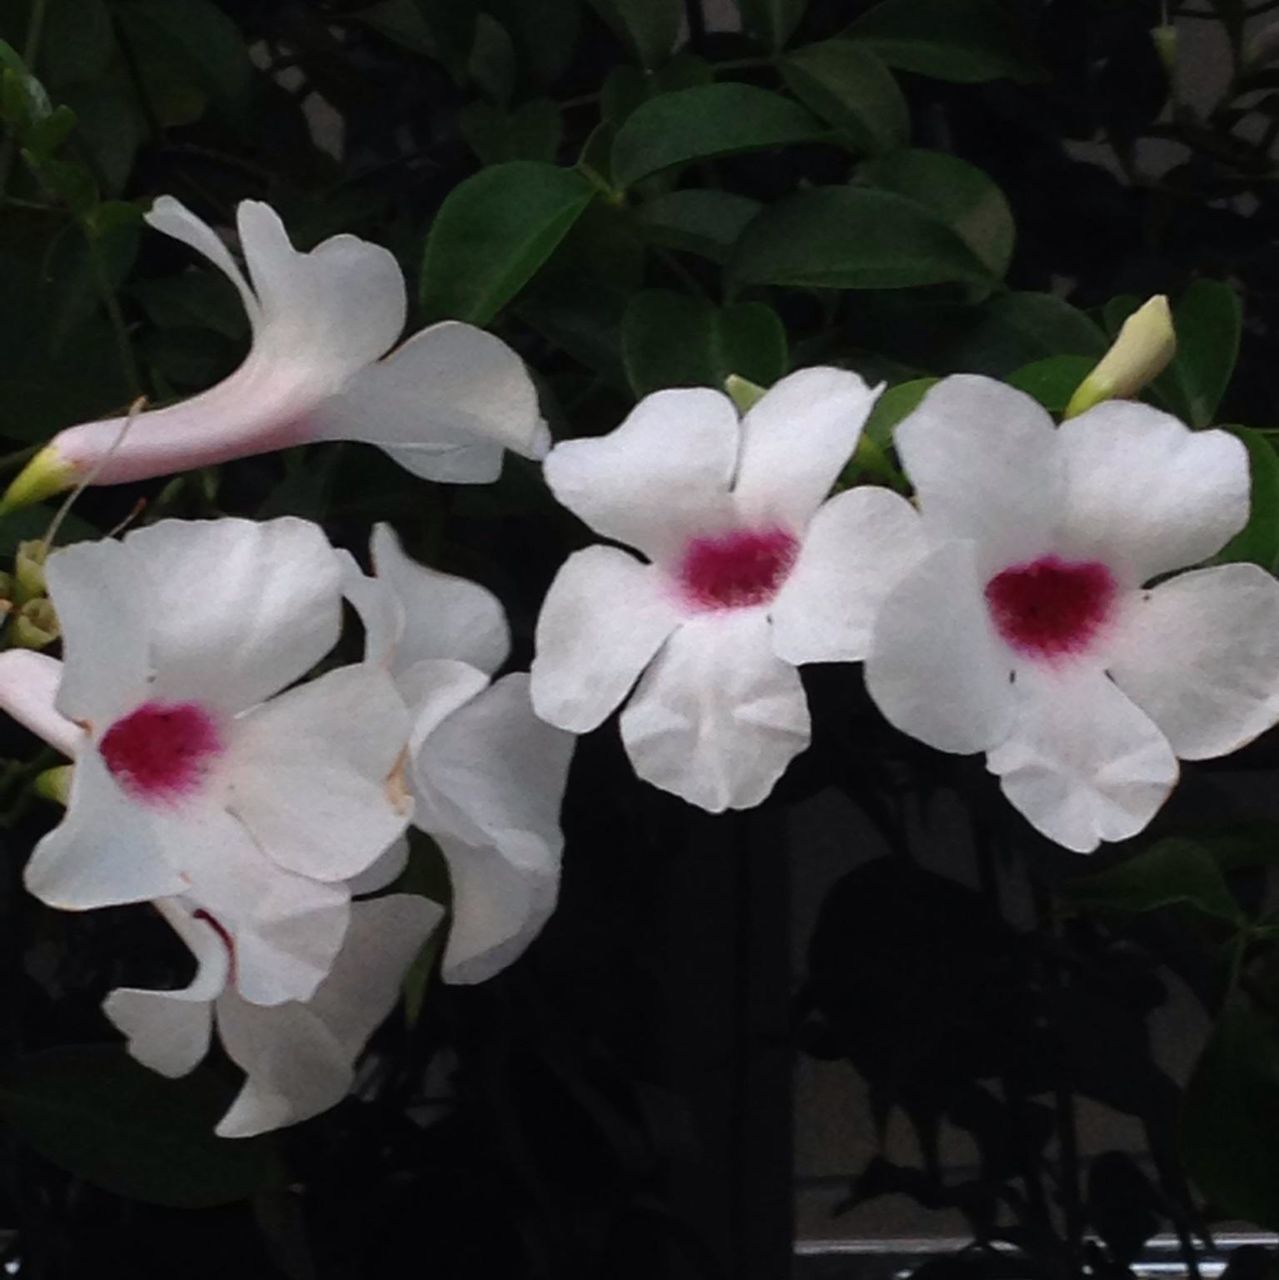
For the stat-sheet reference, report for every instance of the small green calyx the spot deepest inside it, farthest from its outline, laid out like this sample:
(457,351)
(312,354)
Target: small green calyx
(46,474)
(28,571)
(33,626)
(743,393)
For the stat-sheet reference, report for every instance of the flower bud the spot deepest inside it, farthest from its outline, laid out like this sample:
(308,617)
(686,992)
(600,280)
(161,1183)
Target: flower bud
(742,392)
(1142,351)
(46,474)
(28,566)
(34,626)
(54,784)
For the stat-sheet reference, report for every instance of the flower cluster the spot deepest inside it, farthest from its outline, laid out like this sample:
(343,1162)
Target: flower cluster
(1026,604)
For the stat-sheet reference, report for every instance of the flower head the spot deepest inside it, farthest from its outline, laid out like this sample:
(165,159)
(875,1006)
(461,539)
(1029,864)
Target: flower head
(748,572)
(195,776)
(1028,628)
(445,404)
(487,775)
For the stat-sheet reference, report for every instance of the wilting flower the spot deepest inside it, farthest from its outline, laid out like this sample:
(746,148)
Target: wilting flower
(748,573)
(1028,630)
(191,778)
(299,1056)
(444,404)
(487,775)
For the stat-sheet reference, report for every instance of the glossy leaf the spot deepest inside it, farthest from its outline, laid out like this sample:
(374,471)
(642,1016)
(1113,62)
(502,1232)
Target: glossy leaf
(852,238)
(650,27)
(492,234)
(95,1112)
(1176,871)
(699,220)
(673,340)
(1052,381)
(965,41)
(895,404)
(703,122)
(1208,319)
(1258,541)
(771,20)
(958,193)
(1230,1115)
(851,88)
(530,131)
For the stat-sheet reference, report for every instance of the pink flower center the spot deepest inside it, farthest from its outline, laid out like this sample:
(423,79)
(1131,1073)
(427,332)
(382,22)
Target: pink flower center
(1050,608)
(161,751)
(742,567)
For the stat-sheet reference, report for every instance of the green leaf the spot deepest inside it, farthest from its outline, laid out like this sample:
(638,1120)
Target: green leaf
(1230,1114)
(545,34)
(1052,380)
(699,123)
(1013,329)
(852,238)
(772,21)
(492,62)
(452,26)
(673,340)
(1258,540)
(957,192)
(94,1111)
(194,299)
(701,220)
(492,234)
(895,404)
(31,523)
(77,42)
(1208,319)
(1176,871)
(851,88)
(650,27)
(964,41)
(90,258)
(529,132)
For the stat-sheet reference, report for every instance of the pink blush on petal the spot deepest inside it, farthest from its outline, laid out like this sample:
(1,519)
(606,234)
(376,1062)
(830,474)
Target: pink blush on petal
(161,752)
(1051,608)
(738,568)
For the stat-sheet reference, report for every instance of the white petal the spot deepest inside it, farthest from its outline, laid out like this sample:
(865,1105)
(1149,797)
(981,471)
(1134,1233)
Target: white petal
(1082,763)
(492,773)
(982,458)
(386,870)
(1199,654)
(173,218)
(239,608)
(1145,494)
(307,772)
(444,616)
(29,691)
(299,1058)
(858,546)
(445,404)
(380,613)
(435,688)
(337,308)
(718,716)
(106,851)
(104,609)
(604,618)
(169,1031)
(660,477)
(498,909)
(796,440)
(936,668)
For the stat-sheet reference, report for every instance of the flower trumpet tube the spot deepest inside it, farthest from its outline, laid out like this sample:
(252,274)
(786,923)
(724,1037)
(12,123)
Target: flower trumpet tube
(445,404)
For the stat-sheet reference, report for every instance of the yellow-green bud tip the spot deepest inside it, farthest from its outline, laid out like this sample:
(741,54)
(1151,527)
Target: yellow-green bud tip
(46,474)
(742,392)
(1144,348)
(54,784)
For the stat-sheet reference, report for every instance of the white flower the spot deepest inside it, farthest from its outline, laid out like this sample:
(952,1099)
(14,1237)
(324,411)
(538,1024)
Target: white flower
(444,405)
(191,778)
(299,1056)
(488,776)
(1029,631)
(748,574)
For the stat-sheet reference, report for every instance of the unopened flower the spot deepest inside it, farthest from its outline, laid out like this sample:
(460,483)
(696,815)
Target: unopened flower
(487,775)
(298,1056)
(1143,349)
(748,573)
(191,778)
(1028,630)
(445,404)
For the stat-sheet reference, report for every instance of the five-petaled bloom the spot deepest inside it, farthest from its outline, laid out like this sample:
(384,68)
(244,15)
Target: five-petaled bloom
(191,779)
(487,775)
(1030,629)
(748,573)
(445,404)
